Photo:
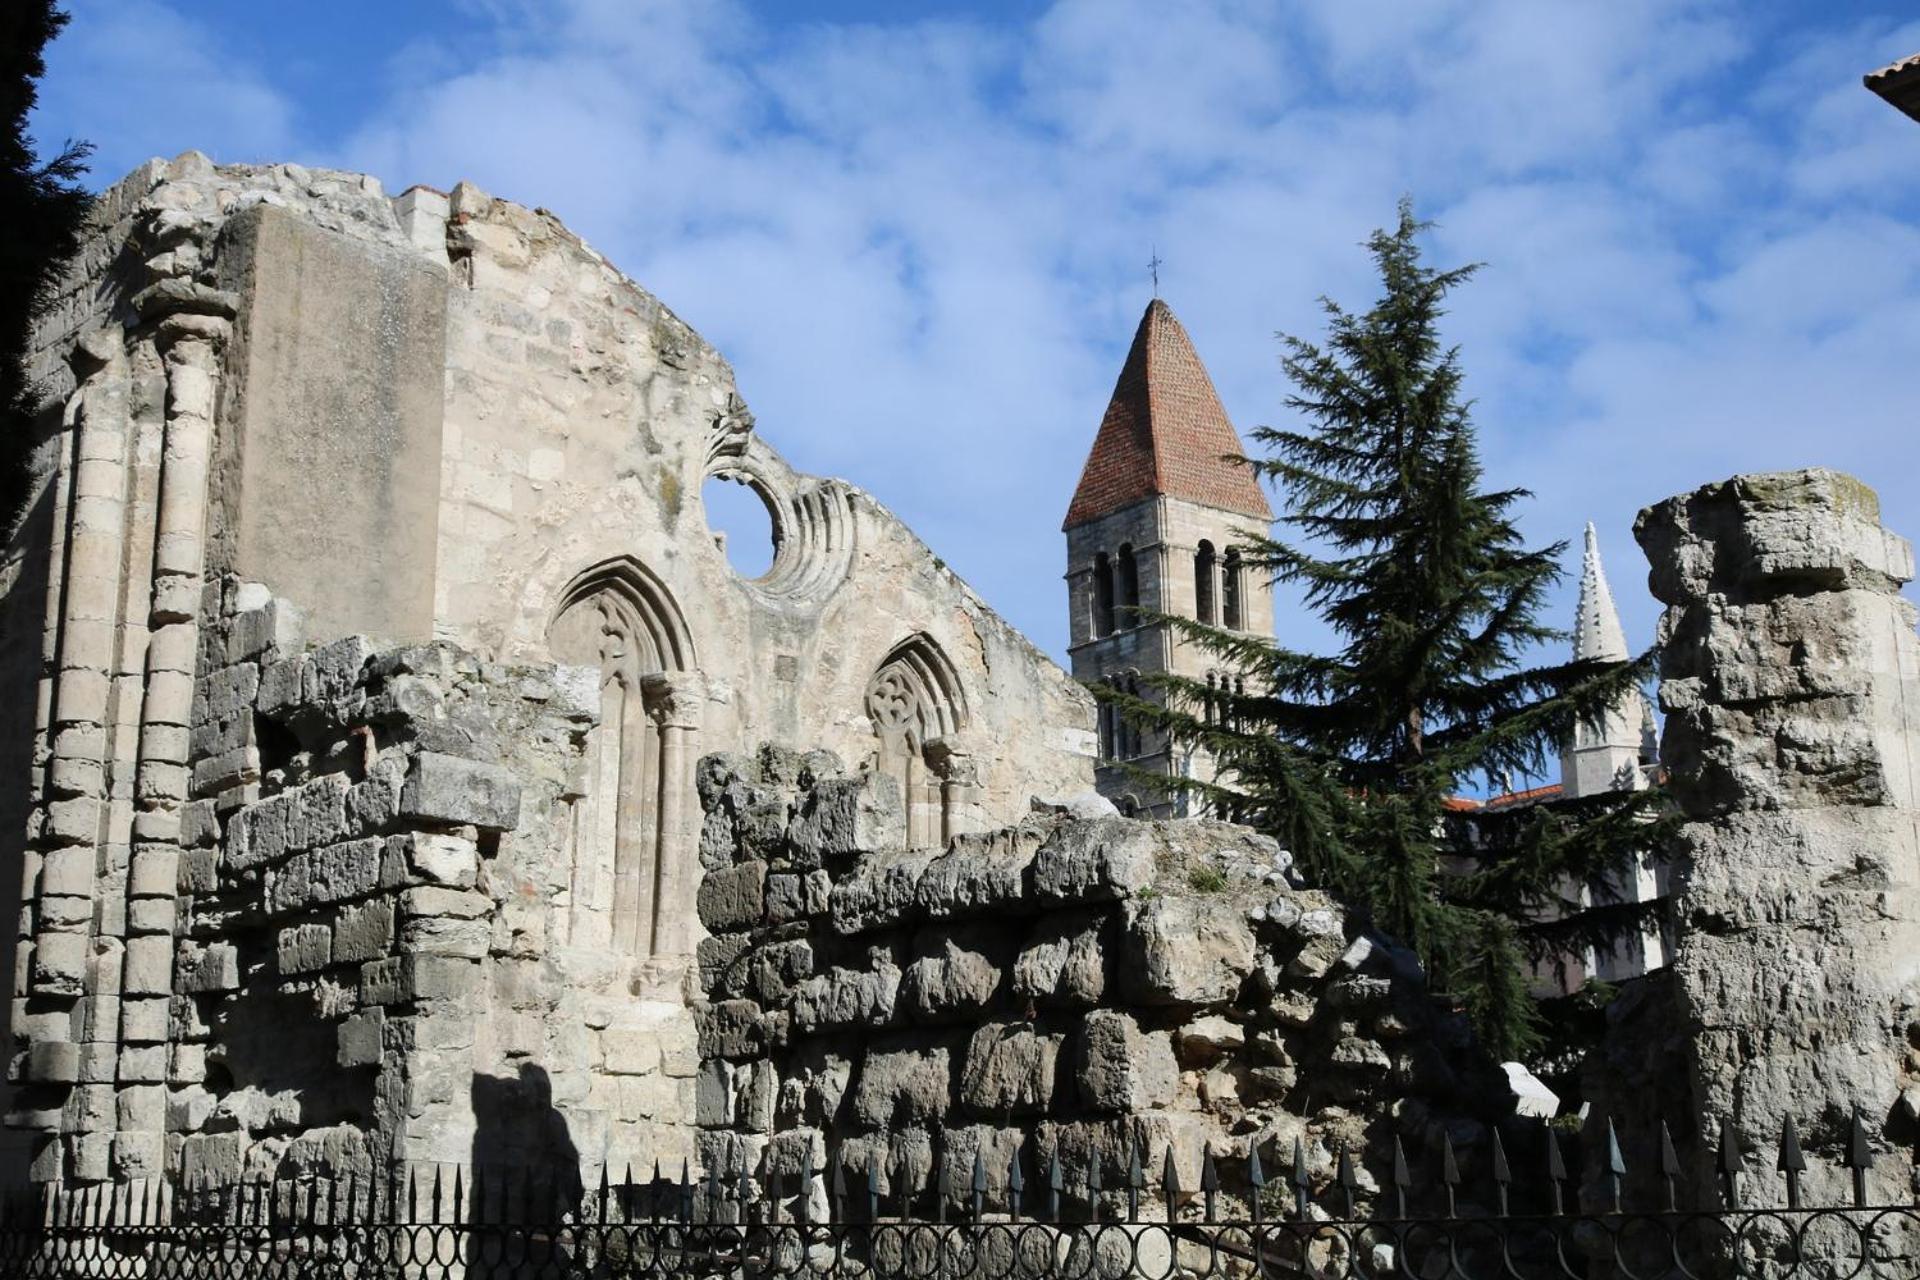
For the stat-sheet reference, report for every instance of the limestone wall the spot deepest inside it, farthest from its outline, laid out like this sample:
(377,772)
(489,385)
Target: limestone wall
(1790,678)
(276,393)
(1054,987)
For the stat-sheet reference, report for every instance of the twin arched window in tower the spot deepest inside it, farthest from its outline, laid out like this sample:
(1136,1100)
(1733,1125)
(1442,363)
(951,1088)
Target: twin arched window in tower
(1116,590)
(1221,579)
(1219,588)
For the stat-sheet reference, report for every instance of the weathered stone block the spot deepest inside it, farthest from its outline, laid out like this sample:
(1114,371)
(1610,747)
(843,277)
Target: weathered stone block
(442,859)
(318,813)
(454,904)
(794,895)
(733,897)
(1120,1068)
(212,967)
(980,872)
(359,1038)
(443,788)
(363,931)
(446,936)
(1096,861)
(53,1062)
(775,968)
(1064,962)
(882,891)
(304,948)
(738,1029)
(901,1087)
(1009,1070)
(955,976)
(844,816)
(1187,950)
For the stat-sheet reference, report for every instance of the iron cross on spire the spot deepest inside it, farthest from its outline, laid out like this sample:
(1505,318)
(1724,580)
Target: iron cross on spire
(1153,267)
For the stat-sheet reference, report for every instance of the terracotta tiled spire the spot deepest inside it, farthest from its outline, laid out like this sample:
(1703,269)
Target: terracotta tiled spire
(1165,432)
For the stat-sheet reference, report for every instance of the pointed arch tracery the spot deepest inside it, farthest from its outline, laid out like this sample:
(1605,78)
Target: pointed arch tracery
(917,706)
(631,887)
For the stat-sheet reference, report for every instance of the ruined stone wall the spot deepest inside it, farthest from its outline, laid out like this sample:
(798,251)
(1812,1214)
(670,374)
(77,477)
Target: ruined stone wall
(1057,987)
(1790,678)
(277,394)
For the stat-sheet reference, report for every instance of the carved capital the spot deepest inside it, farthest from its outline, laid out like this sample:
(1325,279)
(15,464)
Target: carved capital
(674,698)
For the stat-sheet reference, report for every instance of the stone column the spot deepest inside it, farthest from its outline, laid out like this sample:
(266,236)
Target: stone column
(675,700)
(191,345)
(1790,677)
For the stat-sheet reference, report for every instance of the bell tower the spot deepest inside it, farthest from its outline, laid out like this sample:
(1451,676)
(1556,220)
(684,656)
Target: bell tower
(1156,525)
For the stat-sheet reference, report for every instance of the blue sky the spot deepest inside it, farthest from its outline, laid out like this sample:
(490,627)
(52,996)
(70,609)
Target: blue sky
(920,231)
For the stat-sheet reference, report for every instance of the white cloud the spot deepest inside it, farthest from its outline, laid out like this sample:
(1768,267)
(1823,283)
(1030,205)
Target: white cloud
(923,243)
(139,79)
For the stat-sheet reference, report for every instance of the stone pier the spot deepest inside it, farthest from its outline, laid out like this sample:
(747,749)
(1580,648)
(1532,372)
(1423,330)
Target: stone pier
(1790,679)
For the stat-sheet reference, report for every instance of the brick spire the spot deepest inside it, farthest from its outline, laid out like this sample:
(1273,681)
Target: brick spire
(1165,432)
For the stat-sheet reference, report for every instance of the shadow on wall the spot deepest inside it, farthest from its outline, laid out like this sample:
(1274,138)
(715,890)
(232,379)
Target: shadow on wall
(521,1147)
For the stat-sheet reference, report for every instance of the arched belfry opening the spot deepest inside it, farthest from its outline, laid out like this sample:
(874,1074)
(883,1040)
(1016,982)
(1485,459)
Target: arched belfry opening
(918,708)
(633,877)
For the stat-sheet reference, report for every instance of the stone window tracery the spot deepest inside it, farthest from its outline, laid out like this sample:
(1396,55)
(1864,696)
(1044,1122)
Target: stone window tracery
(917,707)
(631,882)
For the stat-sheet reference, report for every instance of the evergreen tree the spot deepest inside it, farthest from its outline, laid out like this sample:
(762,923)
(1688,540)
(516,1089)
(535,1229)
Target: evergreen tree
(41,207)
(1351,759)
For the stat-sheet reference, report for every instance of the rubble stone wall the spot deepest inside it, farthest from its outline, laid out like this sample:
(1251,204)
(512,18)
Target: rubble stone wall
(1790,678)
(1061,987)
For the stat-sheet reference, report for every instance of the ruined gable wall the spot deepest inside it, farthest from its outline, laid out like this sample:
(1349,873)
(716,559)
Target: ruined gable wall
(253,363)
(582,418)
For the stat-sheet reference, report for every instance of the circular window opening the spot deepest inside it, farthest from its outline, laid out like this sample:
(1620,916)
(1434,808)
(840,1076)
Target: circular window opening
(741,522)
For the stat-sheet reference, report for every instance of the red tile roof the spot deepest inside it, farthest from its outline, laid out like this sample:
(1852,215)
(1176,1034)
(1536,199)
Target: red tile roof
(1505,800)
(1165,432)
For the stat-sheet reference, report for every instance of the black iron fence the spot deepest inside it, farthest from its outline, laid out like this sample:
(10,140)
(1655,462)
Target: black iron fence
(446,1224)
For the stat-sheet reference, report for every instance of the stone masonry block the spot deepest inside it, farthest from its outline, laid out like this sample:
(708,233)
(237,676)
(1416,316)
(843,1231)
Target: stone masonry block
(734,897)
(1187,950)
(1120,1068)
(899,1087)
(214,967)
(363,931)
(360,1038)
(1097,860)
(1009,1069)
(304,948)
(442,859)
(443,788)
(149,966)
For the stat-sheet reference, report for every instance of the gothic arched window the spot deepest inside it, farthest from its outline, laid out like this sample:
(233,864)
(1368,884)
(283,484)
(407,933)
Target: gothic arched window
(1203,571)
(1129,586)
(631,887)
(1102,595)
(916,705)
(1230,591)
